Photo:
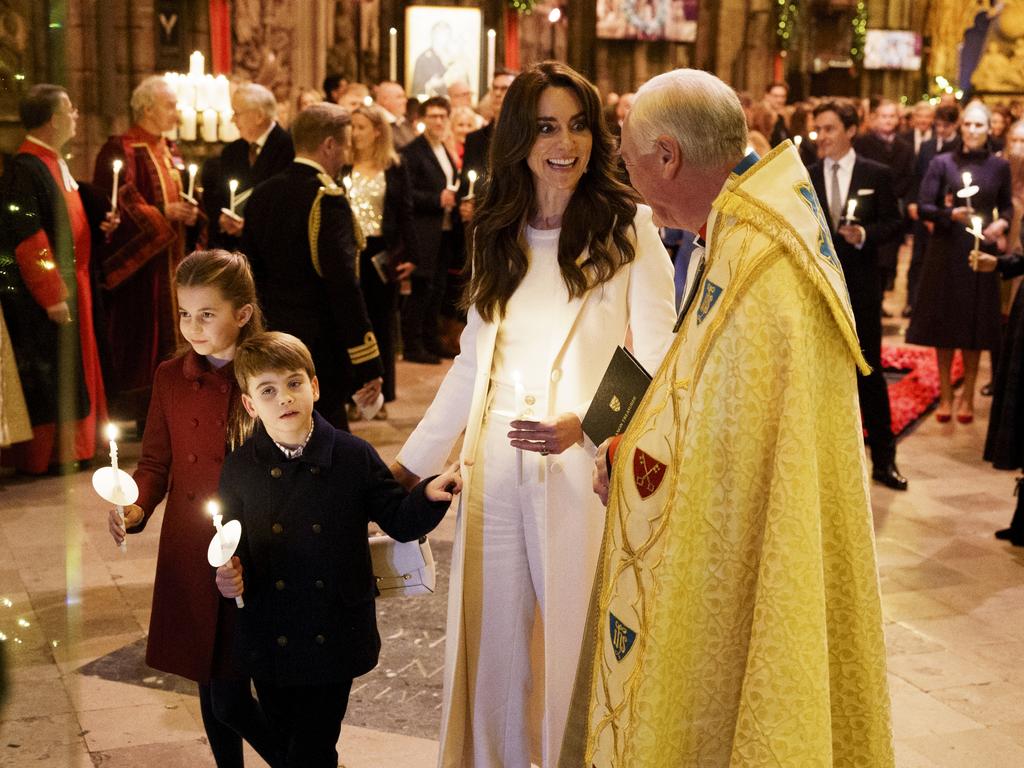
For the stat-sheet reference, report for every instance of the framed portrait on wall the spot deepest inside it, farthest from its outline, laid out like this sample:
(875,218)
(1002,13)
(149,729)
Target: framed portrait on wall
(672,20)
(442,46)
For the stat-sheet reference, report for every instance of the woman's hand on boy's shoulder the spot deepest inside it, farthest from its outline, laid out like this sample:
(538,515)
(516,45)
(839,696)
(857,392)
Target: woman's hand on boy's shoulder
(229,578)
(446,485)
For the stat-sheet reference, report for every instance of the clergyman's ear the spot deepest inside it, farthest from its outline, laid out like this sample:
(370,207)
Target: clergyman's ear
(670,155)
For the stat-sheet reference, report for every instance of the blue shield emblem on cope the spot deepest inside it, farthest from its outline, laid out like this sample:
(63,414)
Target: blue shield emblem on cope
(707,300)
(622,637)
(825,249)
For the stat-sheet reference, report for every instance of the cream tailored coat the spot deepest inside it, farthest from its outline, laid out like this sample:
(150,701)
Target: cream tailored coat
(583,336)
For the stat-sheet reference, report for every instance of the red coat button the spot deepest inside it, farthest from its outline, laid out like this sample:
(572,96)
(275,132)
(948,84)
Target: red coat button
(192,458)
(224,388)
(196,385)
(195,422)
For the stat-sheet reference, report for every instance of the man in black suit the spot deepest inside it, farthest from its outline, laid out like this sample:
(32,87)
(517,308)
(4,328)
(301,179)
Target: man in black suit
(264,150)
(945,138)
(435,181)
(478,142)
(884,146)
(841,176)
(301,240)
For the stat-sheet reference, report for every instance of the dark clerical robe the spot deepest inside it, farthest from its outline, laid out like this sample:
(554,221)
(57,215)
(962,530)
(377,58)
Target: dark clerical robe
(138,263)
(46,263)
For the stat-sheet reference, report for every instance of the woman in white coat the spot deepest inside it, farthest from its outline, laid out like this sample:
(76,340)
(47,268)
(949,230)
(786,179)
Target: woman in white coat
(564,262)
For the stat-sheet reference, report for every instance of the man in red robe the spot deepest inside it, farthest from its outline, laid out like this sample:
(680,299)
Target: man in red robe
(47,299)
(138,262)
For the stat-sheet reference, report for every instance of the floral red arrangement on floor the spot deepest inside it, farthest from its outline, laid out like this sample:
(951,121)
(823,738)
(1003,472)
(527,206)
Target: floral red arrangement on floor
(917,392)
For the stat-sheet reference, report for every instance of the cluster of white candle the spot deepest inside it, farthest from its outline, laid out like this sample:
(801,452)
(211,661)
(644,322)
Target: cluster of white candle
(204,104)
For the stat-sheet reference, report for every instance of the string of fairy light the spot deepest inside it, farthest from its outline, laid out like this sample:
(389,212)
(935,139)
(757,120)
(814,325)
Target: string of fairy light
(789,17)
(860,31)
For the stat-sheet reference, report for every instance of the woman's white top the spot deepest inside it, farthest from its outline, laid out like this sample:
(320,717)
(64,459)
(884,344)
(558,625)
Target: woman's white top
(522,344)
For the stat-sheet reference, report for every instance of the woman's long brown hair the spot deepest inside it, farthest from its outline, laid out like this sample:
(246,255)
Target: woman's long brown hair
(230,274)
(599,215)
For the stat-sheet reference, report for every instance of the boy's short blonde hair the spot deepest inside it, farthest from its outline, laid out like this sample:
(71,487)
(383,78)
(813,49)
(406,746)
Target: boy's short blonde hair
(270,351)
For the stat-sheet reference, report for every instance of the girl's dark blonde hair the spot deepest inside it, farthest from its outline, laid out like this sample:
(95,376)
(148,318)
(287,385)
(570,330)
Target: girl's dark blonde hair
(230,274)
(383,154)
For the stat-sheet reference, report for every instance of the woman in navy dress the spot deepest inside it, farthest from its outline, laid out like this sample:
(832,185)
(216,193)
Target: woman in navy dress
(958,308)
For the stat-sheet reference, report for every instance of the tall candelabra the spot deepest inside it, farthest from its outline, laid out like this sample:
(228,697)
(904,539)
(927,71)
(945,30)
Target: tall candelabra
(204,104)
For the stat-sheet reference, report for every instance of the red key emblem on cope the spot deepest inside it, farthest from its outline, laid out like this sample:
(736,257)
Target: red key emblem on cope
(648,473)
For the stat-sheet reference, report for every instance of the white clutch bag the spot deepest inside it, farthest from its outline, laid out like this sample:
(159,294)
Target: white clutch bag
(402,569)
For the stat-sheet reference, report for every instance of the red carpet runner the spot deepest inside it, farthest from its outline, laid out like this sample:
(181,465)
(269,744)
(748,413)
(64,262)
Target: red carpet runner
(913,394)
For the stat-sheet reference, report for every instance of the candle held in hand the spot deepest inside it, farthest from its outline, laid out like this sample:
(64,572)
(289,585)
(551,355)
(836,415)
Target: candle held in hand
(192,169)
(111,433)
(113,192)
(472,176)
(851,208)
(213,509)
(232,187)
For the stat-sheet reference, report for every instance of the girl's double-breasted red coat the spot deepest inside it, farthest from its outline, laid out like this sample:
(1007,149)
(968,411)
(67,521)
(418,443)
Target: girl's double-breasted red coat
(183,448)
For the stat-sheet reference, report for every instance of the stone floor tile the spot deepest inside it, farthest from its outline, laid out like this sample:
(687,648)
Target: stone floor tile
(117,727)
(986,747)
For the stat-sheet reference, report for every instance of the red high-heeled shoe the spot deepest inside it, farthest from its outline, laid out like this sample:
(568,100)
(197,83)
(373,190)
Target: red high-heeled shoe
(964,418)
(942,418)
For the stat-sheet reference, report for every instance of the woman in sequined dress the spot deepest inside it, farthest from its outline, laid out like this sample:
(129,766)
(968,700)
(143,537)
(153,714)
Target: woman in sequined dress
(380,194)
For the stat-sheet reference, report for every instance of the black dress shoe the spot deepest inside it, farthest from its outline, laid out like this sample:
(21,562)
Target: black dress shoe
(421,356)
(890,477)
(1011,535)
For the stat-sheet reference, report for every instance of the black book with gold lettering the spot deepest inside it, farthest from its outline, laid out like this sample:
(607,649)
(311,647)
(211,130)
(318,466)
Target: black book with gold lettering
(617,398)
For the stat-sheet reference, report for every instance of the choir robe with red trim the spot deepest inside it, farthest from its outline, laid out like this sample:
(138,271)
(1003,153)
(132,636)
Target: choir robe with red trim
(47,262)
(137,264)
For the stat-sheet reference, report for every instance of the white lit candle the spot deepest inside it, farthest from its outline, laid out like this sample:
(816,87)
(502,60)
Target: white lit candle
(393,54)
(851,207)
(196,64)
(471,175)
(967,178)
(113,192)
(232,188)
(367,101)
(798,140)
(192,168)
(213,508)
(111,433)
(188,124)
(813,135)
(491,41)
(421,127)
(228,129)
(209,125)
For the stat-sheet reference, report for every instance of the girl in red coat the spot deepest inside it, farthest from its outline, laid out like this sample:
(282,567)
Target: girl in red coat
(195,417)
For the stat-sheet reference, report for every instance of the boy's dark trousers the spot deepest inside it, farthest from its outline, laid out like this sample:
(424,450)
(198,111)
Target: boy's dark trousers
(307,719)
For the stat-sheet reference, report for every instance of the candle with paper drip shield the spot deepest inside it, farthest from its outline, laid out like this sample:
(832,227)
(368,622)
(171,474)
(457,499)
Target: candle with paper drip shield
(472,176)
(230,210)
(969,190)
(975,229)
(849,217)
(113,484)
(224,542)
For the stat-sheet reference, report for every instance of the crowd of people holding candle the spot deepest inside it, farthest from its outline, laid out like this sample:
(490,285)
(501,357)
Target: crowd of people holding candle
(347,229)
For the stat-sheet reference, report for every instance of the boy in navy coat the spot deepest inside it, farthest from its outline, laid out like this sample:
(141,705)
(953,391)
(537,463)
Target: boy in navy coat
(304,493)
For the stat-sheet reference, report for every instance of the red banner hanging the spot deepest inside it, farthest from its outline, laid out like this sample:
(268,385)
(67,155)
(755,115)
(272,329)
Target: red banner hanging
(511,40)
(220,37)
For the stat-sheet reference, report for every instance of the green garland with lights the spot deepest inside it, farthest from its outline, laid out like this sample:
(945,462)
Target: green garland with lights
(522,6)
(860,31)
(788,12)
